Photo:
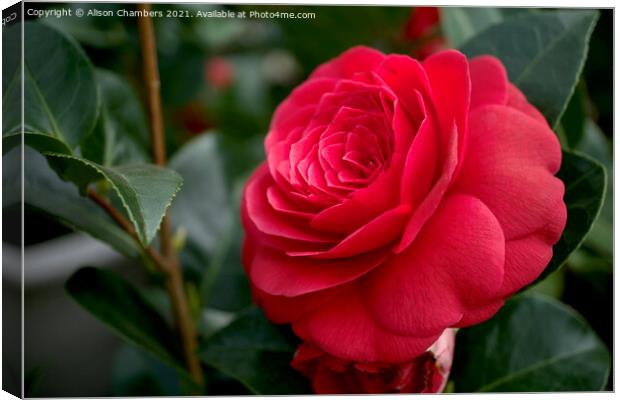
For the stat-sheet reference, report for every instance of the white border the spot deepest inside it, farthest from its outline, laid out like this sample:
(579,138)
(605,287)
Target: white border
(489,3)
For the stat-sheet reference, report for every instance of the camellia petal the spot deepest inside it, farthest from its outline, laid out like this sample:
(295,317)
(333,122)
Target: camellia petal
(347,321)
(454,264)
(355,60)
(509,165)
(375,234)
(527,257)
(489,82)
(280,274)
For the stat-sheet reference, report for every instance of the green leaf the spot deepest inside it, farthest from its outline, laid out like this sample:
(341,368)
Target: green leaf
(38,141)
(254,352)
(574,119)
(225,284)
(552,286)
(596,145)
(45,191)
(138,373)
(145,190)
(121,307)
(533,344)
(61,99)
(203,207)
(544,54)
(585,184)
(121,134)
(207,213)
(459,24)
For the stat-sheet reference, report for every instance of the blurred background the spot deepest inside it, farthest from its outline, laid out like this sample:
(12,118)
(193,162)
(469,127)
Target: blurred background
(226,76)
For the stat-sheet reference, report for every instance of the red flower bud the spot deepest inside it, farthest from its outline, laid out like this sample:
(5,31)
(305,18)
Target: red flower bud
(427,373)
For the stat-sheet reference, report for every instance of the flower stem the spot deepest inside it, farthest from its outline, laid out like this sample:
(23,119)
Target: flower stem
(174,282)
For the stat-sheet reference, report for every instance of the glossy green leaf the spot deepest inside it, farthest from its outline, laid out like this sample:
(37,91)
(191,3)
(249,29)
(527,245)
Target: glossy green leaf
(145,190)
(552,286)
(203,207)
(225,284)
(533,344)
(38,141)
(138,373)
(207,213)
(596,145)
(45,191)
(509,12)
(459,24)
(120,306)
(254,352)
(12,177)
(543,53)
(573,123)
(121,134)
(585,184)
(61,98)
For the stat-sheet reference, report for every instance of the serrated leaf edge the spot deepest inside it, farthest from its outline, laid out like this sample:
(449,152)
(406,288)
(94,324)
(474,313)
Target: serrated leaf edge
(143,235)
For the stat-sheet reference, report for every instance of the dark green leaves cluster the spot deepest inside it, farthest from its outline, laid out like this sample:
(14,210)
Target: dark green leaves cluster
(121,307)
(585,182)
(66,120)
(543,53)
(60,93)
(256,353)
(533,344)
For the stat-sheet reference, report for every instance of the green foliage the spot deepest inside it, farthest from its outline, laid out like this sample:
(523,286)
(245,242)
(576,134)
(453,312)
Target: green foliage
(573,123)
(254,352)
(121,134)
(145,190)
(207,212)
(585,182)
(534,344)
(544,54)
(596,145)
(202,208)
(61,105)
(138,373)
(44,190)
(459,24)
(39,141)
(60,94)
(121,307)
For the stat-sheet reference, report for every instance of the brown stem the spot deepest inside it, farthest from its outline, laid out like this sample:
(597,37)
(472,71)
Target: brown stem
(120,219)
(174,283)
(151,78)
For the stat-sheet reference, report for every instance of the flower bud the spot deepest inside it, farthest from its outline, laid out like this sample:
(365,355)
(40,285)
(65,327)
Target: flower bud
(427,373)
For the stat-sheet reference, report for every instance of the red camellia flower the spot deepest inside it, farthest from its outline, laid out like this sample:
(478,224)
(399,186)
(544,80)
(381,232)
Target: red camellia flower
(398,199)
(427,373)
